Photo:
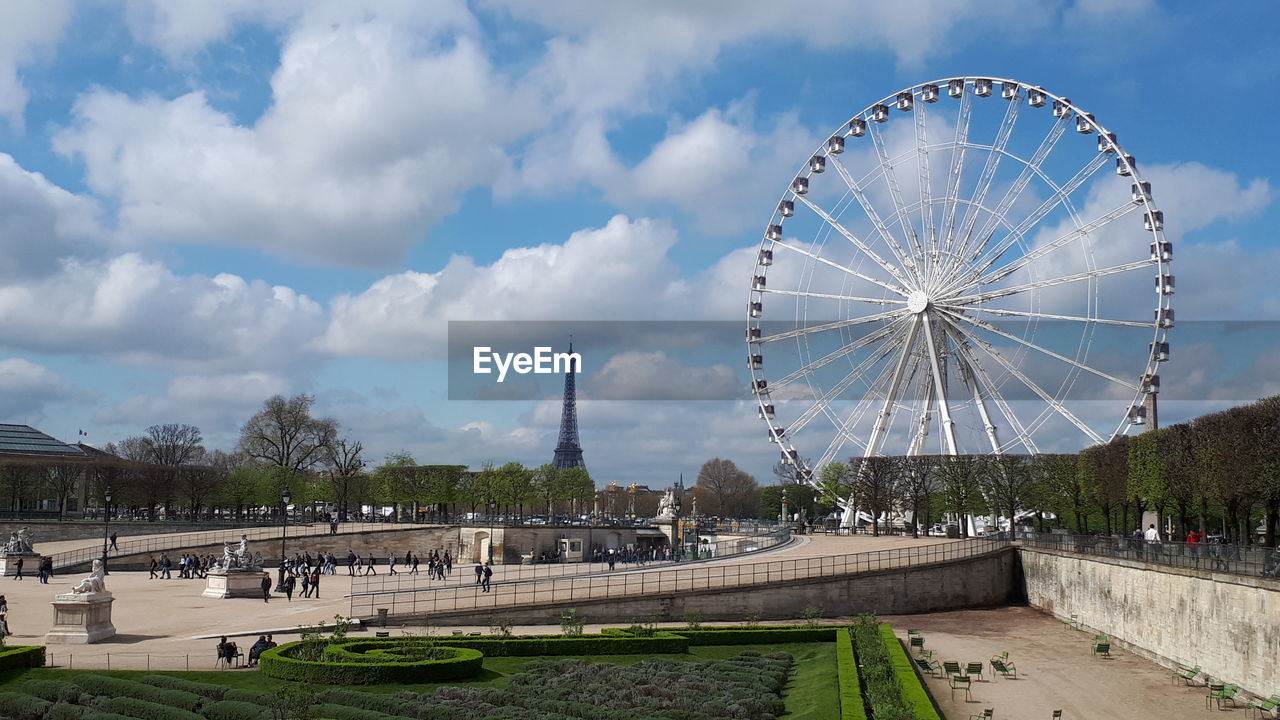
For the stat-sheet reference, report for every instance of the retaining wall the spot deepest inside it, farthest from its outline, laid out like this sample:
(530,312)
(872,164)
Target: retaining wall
(1227,624)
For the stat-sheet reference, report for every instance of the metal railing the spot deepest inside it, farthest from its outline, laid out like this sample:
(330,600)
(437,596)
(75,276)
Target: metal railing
(462,573)
(646,583)
(158,543)
(1255,560)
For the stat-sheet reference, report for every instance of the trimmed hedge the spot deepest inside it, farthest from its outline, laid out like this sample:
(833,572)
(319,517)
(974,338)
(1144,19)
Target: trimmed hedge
(234,710)
(118,687)
(662,643)
(346,712)
(20,706)
(910,686)
(850,689)
(52,690)
(759,635)
(276,662)
(170,682)
(143,710)
(22,656)
(67,711)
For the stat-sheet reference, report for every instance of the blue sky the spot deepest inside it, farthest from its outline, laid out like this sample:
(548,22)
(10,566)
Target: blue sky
(205,204)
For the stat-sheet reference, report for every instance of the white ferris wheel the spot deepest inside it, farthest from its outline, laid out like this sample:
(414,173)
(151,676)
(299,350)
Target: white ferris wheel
(963,267)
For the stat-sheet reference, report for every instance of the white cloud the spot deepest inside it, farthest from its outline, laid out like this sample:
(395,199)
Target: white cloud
(40,223)
(375,130)
(140,312)
(25,389)
(26,29)
(654,375)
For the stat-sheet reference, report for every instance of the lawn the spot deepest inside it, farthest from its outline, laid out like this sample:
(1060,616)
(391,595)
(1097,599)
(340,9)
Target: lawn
(810,696)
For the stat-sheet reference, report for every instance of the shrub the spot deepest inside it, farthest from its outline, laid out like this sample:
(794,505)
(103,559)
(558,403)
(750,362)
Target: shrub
(51,690)
(207,690)
(346,712)
(571,623)
(881,686)
(910,687)
(144,710)
(851,707)
(234,710)
(19,706)
(21,656)
(391,705)
(100,715)
(692,619)
(255,697)
(348,664)
(117,687)
(66,711)
(812,615)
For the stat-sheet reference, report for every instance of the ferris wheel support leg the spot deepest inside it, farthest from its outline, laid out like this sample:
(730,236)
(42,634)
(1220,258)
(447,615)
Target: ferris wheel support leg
(922,431)
(944,410)
(882,420)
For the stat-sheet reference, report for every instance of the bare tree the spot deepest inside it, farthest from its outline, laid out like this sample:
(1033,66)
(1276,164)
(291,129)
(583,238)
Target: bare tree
(63,480)
(877,486)
(726,490)
(173,444)
(919,485)
(284,434)
(960,483)
(344,463)
(1008,484)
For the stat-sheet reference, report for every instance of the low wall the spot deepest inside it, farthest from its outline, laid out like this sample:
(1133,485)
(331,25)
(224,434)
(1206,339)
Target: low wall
(1227,624)
(51,530)
(982,581)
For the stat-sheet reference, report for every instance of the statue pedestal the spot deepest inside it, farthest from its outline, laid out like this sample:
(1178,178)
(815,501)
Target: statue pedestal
(81,618)
(234,584)
(9,563)
(667,524)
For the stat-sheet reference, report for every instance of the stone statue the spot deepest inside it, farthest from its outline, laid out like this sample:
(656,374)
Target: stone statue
(95,583)
(235,556)
(26,541)
(13,544)
(667,505)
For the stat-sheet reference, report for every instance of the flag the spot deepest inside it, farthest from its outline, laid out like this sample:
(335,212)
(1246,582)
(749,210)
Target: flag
(84,434)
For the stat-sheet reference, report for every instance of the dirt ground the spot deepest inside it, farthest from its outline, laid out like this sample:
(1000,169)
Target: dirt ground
(1055,670)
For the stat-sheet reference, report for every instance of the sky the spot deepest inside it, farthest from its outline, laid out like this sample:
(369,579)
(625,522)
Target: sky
(205,204)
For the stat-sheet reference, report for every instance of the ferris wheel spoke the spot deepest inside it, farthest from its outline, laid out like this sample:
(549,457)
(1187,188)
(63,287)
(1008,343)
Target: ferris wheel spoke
(924,400)
(835,224)
(995,354)
(855,416)
(991,389)
(826,261)
(1057,356)
(1029,169)
(970,379)
(988,175)
(1046,316)
(837,354)
(958,150)
(833,296)
(880,428)
(887,315)
(1017,289)
(1059,242)
(859,194)
(823,404)
(926,189)
(940,387)
(895,192)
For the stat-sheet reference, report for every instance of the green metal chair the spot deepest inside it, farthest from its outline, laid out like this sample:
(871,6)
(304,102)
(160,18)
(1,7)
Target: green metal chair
(916,642)
(974,669)
(984,715)
(1186,675)
(1057,715)
(1004,668)
(1102,648)
(929,666)
(961,682)
(1267,706)
(952,667)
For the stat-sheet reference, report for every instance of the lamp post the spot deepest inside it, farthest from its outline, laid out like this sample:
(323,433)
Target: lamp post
(106,524)
(492,503)
(285,497)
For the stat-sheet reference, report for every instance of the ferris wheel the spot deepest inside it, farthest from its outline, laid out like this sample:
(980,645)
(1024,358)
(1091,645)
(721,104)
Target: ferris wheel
(963,267)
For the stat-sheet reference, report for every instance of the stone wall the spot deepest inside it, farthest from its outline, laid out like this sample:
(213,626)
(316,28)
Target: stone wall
(51,530)
(1227,624)
(984,581)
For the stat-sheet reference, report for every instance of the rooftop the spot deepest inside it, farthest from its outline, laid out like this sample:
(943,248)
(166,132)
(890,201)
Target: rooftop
(26,440)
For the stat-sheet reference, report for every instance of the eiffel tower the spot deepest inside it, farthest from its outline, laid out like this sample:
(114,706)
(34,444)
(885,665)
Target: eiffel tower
(568,449)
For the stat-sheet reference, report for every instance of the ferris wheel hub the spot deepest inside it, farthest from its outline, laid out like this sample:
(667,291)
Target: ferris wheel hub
(917,302)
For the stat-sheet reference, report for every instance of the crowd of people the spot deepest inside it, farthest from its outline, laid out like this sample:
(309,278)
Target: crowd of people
(439,565)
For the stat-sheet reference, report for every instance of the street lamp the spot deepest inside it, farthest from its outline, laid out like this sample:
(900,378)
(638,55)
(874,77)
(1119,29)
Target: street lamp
(285,497)
(106,524)
(492,503)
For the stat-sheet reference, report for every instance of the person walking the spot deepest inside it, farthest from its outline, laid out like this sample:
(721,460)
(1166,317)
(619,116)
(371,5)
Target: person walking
(306,583)
(488,573)
(413,565)
(369,568)
(155,566)
(288,587)
(315,583)
(113,541)
(391,563)
(351,562)
(165,565)
(333,527)
(479,573)
(448,562)
(1153,542)
(18,574)
(266,588)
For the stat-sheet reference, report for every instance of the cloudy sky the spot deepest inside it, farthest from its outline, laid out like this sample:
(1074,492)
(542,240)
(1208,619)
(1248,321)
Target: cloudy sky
(203,204)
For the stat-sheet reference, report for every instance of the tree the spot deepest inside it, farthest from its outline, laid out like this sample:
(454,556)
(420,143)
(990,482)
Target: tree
(919,486)
(284,434)
(1056,486)
(802,499)
(1148,479)
(1008,484)
(344,465)
(172,445)
(959,475)
(726,490)
(1104,473)
(877,486)
(62,480)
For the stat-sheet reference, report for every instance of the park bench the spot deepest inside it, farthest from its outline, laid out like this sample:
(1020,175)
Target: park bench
(1102,648)
(1186,675)
(929,666)
(1004,668)
(1267,706)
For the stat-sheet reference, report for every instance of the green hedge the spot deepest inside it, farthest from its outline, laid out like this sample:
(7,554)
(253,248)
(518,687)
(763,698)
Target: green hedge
(759,635)
(119,687)
(20,706)
(143,710)
(52,690)
(662,643)
(851,707)
(67,711)
(22,656)
(170,682)
(344,712)
(234,710)
(277,662)
(910,685)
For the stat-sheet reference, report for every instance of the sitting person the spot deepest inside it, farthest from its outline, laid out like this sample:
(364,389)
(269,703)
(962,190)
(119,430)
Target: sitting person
(256,649)
(227,650)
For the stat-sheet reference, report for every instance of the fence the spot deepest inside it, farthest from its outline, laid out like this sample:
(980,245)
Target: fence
(129,661)
(158,543)
(1218,557)
(644,583)
(462,575)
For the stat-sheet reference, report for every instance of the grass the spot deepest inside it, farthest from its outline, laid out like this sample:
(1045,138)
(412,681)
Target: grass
(810,696)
